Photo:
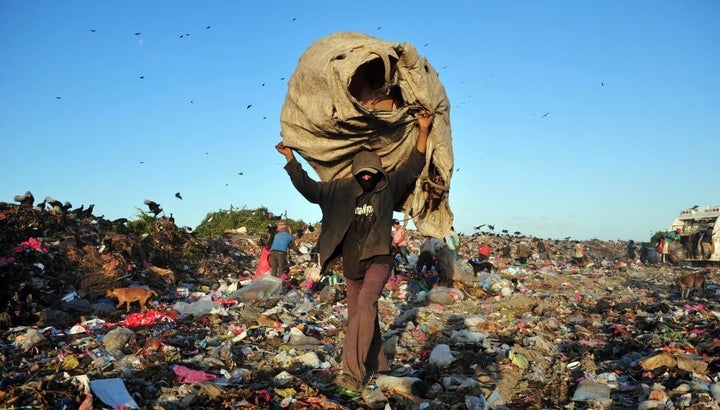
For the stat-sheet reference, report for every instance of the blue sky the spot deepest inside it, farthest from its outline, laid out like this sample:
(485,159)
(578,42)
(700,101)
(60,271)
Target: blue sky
(631,91)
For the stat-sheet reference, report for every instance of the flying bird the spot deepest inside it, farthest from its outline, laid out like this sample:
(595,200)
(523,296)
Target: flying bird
(602,84)
(177,195)
(137,34)
(207,28)
(491,227)
(153,206)
(545,115)
(240,173)
(248,106)
(477,228)
(58,98)
(142,77)
(92,30)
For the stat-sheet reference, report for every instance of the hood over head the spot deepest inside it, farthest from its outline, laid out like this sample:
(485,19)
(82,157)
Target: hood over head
(368,161)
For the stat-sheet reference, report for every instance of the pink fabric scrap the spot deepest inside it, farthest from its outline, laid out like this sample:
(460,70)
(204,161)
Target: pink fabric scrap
(187,375)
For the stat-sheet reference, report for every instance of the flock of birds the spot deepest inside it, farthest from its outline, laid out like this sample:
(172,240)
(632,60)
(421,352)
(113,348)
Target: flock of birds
(27,200)
(142,77)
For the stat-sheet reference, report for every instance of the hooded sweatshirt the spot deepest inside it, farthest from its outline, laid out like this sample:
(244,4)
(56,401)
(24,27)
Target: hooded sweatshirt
(338,200)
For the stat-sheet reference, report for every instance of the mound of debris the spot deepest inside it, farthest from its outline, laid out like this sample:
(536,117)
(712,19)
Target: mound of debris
(545,331)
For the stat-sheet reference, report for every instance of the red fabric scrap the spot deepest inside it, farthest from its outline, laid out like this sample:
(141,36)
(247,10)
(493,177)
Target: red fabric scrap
(145,318)
(31,244)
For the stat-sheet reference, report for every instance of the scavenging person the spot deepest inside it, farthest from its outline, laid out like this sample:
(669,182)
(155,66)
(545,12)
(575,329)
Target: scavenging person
(357,215)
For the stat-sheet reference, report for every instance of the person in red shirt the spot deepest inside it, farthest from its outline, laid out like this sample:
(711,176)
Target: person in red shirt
(484,251)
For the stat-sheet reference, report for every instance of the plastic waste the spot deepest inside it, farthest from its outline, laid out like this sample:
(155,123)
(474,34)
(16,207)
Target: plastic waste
(115,340)
(260,288)
(113,393)
(297,338)
(197,308)
(445,296)
(476,403)
(400,384)
(441,356)
(473,321)
(412,259)
(589,390)
(467,336)
(309,359)
(374,397)
(715,391)
(463,273)
(518,360)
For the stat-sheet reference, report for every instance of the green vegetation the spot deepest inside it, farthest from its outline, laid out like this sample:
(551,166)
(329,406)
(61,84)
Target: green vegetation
(255,220)
(144,224)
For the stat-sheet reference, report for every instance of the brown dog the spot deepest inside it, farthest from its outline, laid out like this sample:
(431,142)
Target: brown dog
(691,281)
(128,295)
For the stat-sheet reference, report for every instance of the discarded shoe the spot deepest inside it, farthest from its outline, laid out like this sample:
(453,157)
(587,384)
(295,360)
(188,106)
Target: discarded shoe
(348,382)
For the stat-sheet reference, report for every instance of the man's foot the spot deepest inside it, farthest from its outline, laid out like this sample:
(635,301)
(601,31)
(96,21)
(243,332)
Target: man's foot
(348,382)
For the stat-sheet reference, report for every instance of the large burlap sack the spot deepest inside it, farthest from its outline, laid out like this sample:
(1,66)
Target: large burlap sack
(326,117)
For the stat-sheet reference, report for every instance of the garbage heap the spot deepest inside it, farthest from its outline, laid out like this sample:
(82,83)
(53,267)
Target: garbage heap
(550,333)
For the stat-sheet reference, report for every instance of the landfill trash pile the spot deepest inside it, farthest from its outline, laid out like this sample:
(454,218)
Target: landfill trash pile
(608,332)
